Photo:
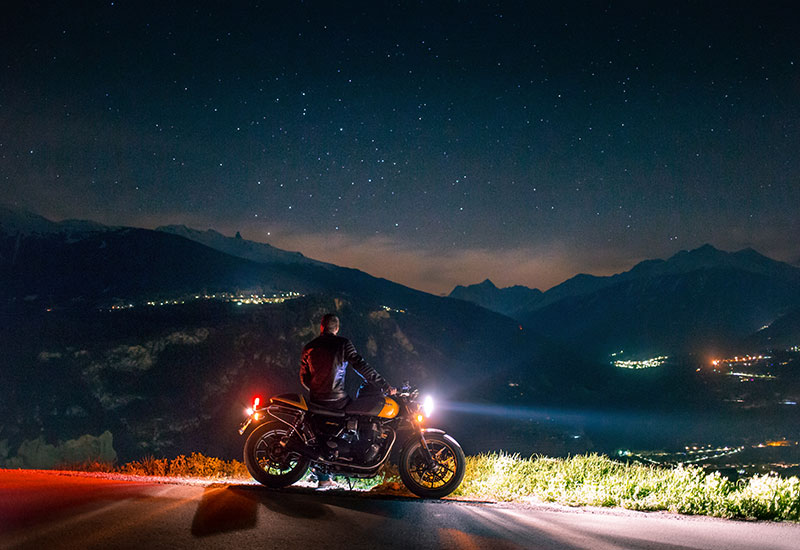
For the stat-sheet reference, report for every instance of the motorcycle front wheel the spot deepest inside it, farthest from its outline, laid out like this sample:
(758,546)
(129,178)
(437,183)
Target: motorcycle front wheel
(267,458)
(438,479)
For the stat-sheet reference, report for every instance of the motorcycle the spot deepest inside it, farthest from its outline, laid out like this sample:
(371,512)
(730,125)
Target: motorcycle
(290,434)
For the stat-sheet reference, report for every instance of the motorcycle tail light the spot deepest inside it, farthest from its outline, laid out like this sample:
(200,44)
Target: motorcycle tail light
(256,402)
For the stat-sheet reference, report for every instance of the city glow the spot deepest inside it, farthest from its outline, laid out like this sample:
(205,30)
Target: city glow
(698,454)
(641,364)
(751,376)
(239,298)
(757,367)
(745,359)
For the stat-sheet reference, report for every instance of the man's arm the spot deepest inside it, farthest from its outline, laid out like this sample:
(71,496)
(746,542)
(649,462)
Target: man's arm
(361,367)
(305,371)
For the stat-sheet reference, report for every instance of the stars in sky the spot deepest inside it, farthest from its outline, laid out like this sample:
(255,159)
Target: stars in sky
(629,129)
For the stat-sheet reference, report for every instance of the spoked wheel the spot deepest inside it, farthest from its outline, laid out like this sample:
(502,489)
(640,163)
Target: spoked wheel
(438,479)
(267,458)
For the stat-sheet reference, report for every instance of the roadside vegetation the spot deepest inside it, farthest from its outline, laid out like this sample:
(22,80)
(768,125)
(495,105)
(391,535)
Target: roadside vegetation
(596,480)
(196,465)
(582,480)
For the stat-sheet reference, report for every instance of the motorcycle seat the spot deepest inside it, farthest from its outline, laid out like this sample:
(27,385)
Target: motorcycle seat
(324,411)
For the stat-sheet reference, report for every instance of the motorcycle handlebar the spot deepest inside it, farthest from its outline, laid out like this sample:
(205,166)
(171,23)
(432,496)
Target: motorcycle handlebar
(407,391)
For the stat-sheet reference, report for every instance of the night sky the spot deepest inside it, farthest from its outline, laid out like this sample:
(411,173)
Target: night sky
(435,143)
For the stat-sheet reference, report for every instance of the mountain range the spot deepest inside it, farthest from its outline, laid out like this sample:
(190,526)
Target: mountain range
(88,350)
(133,331)
(695,301)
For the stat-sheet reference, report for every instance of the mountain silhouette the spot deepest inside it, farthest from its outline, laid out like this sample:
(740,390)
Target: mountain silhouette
(174,378)
(508,301)
(693,301)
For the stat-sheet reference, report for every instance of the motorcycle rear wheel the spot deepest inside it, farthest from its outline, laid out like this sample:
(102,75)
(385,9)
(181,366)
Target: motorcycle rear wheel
(269,462)
(443,477)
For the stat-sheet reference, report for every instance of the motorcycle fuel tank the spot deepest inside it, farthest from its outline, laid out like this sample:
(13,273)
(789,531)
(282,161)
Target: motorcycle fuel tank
(390,408)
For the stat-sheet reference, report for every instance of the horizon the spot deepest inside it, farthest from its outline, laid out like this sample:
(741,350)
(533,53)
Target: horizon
(444,293)
(432,145)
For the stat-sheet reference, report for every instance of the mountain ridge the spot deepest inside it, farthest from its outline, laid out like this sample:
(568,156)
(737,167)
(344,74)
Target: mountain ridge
(22,222)
(705,256)
(507,300)
(171,377)
(168,379)
(695,299)
(237,246)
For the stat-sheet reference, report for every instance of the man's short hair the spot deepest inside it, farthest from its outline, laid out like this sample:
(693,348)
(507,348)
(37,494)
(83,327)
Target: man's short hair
(329,323)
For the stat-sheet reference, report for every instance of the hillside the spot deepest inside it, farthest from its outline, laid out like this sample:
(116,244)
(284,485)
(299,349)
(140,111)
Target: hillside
(152,336)
(692,302)
(116,329)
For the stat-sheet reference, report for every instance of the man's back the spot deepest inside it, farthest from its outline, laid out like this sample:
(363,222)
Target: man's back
(323,367)
(324,364)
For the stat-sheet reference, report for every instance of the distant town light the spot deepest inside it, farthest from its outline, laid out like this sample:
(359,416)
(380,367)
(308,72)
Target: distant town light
(641,364)
(239,299)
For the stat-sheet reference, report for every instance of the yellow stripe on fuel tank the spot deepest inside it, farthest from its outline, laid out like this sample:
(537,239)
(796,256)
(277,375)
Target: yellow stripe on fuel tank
(390,408)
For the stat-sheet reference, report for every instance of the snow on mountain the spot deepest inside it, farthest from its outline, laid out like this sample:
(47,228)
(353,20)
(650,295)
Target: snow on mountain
(239,247)
(15,221)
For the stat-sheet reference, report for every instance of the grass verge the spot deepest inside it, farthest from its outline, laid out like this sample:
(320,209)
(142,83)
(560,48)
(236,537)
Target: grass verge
(195,465)
(582,480)
(596,480)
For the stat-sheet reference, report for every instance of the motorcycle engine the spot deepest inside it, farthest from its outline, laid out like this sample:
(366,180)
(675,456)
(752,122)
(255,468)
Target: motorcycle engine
(357,441)
(374,438)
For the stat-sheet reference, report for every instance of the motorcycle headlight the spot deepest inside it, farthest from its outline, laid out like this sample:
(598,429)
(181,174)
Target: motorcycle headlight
(427,406)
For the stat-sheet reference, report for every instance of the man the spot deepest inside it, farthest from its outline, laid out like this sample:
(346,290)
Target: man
(323,366)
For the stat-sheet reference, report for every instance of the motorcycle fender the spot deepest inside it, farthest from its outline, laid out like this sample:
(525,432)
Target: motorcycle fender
(424,431)
(250,423)
(410,440)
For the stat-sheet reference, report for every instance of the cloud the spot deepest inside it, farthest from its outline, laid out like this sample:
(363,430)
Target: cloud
(439,271)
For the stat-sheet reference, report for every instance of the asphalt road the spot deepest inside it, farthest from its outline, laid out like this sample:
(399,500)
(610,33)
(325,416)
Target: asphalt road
(51,511)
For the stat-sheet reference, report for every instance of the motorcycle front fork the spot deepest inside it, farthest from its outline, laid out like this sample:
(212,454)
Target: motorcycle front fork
(426,453)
